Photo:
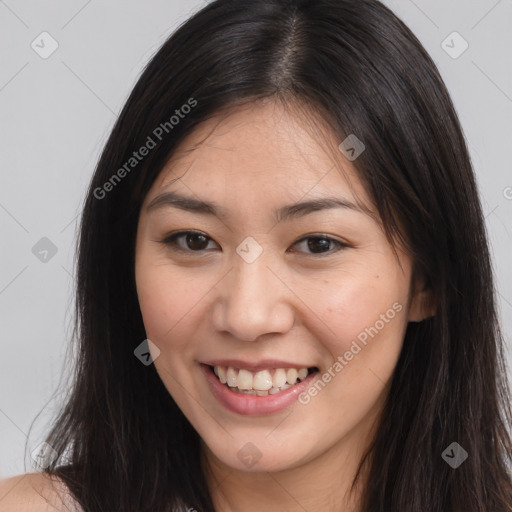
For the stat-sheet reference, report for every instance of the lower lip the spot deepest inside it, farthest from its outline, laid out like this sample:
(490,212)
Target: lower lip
(251,405)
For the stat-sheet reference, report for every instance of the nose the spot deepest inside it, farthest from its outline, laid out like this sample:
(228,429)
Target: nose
(253,301)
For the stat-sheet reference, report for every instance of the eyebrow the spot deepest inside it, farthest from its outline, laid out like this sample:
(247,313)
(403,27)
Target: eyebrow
(284,213)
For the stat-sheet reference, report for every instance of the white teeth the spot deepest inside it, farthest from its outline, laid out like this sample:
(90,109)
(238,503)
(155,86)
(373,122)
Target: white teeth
(245,380)
(262,381)
(222,374)
(231,376)
(303,373)
(291,376)
(279,378)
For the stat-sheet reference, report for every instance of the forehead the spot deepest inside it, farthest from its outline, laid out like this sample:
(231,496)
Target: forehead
(262,147)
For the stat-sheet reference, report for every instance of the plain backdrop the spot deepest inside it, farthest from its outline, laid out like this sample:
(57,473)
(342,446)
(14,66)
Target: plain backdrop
(55,115)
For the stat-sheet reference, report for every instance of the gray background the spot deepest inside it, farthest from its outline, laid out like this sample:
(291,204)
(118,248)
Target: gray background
(57,112)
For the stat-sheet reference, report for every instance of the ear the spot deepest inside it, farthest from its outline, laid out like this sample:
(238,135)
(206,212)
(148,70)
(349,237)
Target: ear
(422,303)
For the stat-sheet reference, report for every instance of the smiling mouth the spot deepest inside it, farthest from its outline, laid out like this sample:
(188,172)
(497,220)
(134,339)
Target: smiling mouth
(263,382)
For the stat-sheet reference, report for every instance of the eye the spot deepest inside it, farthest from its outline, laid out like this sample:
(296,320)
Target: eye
(192,241)
(319,244)
(196,241)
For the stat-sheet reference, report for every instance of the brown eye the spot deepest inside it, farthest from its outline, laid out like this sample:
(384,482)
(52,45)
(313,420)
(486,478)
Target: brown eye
(320,244)
(187,241)
(196,241)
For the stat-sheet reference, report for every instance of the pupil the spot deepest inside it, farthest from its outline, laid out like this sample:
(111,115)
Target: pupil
(323,245)
(192,241)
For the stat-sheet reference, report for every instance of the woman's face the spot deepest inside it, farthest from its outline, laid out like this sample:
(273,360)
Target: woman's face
(266,288)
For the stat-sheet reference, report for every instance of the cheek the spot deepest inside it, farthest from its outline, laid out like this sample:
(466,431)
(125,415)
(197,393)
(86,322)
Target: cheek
(166,303)
(160,303)
(170,300)
(365,313)
(157,307)
(367,318)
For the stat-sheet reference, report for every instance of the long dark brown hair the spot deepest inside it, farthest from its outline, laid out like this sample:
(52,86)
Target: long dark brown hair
(124,444)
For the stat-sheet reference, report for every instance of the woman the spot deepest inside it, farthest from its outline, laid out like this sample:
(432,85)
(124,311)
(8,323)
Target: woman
(285,297)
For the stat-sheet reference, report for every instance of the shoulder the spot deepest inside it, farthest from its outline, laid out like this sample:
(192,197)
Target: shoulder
(35,492)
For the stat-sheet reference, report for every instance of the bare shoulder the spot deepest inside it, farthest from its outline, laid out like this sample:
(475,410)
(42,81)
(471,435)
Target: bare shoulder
(35,492)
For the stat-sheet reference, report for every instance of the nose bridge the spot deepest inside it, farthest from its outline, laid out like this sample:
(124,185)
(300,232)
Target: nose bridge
(249,280)
(253,300)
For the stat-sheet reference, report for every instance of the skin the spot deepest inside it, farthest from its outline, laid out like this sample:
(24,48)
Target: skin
(35,492)
(293,302)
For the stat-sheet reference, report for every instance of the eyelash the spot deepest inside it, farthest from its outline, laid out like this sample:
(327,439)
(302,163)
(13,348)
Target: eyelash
(171,242)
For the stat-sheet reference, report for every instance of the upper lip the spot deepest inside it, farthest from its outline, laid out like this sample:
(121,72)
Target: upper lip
(264,364)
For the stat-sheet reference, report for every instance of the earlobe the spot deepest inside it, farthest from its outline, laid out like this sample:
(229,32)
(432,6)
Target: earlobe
(422,304)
